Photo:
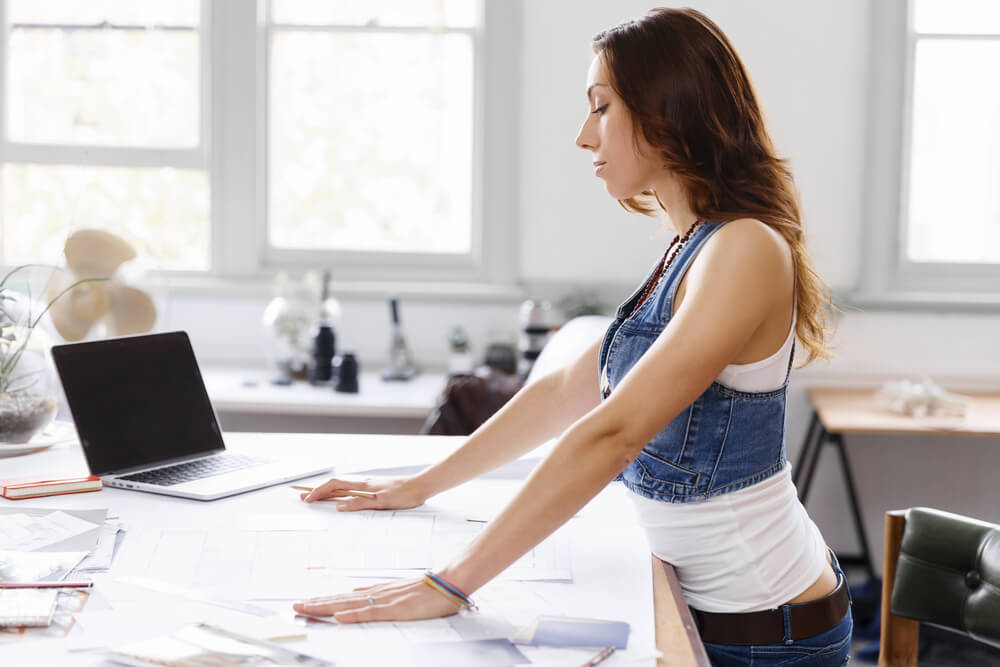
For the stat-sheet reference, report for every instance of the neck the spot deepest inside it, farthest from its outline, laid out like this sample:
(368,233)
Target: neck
(675,205)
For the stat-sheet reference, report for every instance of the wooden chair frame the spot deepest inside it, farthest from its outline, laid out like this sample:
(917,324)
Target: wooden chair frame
(900,636)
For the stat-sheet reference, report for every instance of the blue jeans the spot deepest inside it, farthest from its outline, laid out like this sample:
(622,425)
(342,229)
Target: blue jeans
(827,649)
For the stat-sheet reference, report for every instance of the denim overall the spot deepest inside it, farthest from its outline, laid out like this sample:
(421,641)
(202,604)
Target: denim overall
(725,440)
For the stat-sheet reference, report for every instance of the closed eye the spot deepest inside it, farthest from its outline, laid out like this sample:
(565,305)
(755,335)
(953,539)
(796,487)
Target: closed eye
(600,110)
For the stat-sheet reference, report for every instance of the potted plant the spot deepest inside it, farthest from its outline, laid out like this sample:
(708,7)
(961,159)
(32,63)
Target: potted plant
(29,394)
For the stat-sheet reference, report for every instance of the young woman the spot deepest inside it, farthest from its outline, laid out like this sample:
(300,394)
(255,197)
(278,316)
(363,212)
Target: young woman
(683,399)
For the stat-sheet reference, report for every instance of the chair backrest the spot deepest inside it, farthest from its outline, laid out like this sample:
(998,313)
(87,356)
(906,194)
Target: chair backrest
(940,568)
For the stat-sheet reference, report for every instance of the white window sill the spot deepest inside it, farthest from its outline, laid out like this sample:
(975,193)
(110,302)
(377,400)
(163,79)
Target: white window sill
(215,286)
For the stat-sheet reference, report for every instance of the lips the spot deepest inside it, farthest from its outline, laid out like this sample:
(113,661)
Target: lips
(598,166)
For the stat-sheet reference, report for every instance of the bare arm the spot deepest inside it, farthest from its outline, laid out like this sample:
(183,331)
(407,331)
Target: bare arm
(537,413)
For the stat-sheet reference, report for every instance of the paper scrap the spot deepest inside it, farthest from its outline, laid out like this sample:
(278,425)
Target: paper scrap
(21,532)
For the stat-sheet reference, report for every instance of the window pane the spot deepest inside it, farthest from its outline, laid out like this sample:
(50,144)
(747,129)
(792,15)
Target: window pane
(119,12)
(451,13)
(374,153)
(955,153)
(104,87)
(956,16)
(163,212)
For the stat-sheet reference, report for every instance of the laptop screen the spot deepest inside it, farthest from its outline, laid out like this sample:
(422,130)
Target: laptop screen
(137,401)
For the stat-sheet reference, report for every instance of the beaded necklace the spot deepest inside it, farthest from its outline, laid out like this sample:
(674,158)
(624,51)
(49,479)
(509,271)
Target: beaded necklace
(665,263)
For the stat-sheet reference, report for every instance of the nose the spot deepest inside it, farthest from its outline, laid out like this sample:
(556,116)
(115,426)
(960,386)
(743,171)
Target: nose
(586,138)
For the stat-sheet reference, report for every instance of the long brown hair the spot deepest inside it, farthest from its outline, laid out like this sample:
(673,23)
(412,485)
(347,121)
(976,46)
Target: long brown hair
(691,98)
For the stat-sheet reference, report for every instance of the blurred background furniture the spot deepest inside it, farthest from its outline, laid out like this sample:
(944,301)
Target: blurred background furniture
(941,569)
(839,412)
(246,400)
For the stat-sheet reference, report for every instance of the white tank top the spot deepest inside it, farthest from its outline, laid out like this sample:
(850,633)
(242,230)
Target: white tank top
(763,375)
(747,550)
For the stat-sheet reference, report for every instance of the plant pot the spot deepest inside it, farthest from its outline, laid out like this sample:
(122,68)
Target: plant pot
(23,414)
(29,395)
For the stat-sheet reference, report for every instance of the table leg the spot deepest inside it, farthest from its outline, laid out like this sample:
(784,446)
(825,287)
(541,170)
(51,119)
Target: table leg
(822,435)
(852,496)
(804,452)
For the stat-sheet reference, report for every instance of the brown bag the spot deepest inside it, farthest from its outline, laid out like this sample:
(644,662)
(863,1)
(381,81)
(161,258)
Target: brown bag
(469,400)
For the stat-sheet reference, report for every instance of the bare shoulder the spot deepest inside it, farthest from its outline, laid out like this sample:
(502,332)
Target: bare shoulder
(746,246)
(745,256)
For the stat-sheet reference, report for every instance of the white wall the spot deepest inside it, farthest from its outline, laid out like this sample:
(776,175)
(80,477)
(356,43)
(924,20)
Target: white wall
(809,62)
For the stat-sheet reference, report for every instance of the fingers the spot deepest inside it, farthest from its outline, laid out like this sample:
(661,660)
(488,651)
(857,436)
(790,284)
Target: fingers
(377,594)
(357,503)
(326,489)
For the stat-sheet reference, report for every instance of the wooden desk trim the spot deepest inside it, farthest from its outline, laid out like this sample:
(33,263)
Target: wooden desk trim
(677,636)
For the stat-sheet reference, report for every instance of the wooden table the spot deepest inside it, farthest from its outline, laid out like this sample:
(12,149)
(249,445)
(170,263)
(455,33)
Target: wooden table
(838,412)
(677,636)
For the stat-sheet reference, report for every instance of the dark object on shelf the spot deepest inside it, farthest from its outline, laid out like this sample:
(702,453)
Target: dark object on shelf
(324,347)
(346,372)
(538,319)
(469,400)
(401,366)
(459,356)
(502,357)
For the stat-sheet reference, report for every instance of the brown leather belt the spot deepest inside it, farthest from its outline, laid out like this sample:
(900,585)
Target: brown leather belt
(768,627)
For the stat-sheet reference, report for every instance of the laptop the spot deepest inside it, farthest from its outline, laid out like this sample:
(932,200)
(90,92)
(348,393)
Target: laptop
(146,423)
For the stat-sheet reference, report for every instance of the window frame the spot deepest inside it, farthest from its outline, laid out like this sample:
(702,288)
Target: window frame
(889,278)
(233,150)
(97,155)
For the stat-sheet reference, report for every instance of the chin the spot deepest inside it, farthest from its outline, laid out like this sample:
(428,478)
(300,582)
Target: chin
(619,193)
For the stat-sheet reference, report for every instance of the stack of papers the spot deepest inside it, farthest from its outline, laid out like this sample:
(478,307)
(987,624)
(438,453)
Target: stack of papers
(48,545)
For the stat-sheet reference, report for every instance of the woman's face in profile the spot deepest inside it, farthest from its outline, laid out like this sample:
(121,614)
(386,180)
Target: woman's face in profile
(608,134)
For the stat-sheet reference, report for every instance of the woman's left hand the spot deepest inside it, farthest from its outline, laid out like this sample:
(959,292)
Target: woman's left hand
(406,600)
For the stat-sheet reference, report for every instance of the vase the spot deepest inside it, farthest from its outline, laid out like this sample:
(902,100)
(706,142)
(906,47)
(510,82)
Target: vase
(29,388)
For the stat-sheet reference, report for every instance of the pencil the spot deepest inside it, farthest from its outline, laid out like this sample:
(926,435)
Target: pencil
(338,493)
(47,584)
(600,657)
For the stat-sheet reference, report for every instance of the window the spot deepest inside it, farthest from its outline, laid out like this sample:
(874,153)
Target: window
(230,140)
(370,125)
(935,152)
(103,127)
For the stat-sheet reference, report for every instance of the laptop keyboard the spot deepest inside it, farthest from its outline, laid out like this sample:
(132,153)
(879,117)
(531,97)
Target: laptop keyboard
(192,470)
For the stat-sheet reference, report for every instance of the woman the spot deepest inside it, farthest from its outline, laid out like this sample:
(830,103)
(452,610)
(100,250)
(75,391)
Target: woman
(688,411)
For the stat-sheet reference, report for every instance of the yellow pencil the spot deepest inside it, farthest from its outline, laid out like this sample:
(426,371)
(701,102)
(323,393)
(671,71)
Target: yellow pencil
(340,493)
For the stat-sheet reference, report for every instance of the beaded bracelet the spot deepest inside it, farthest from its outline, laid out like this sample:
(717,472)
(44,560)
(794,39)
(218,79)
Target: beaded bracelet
(449,590)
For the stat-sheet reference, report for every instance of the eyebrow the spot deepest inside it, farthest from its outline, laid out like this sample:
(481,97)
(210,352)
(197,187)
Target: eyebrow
(592,86)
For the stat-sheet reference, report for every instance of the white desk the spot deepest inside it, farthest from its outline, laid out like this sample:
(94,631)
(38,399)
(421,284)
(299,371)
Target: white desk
(610,565)
(246,400)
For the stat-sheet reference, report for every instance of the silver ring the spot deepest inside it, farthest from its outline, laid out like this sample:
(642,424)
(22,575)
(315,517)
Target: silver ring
(371,600)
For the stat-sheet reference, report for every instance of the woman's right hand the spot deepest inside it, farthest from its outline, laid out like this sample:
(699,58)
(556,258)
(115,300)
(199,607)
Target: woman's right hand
(390,494)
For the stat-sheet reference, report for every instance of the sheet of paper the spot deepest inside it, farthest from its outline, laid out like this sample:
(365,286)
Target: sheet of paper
(292,564)
(487,652)
(23,532)
(100,558)
(38,565)
(84,541)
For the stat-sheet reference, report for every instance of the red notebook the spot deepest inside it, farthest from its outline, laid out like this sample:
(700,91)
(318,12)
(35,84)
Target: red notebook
(35,487)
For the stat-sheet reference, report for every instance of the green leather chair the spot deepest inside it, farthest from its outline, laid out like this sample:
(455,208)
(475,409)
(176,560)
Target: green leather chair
(942,569)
